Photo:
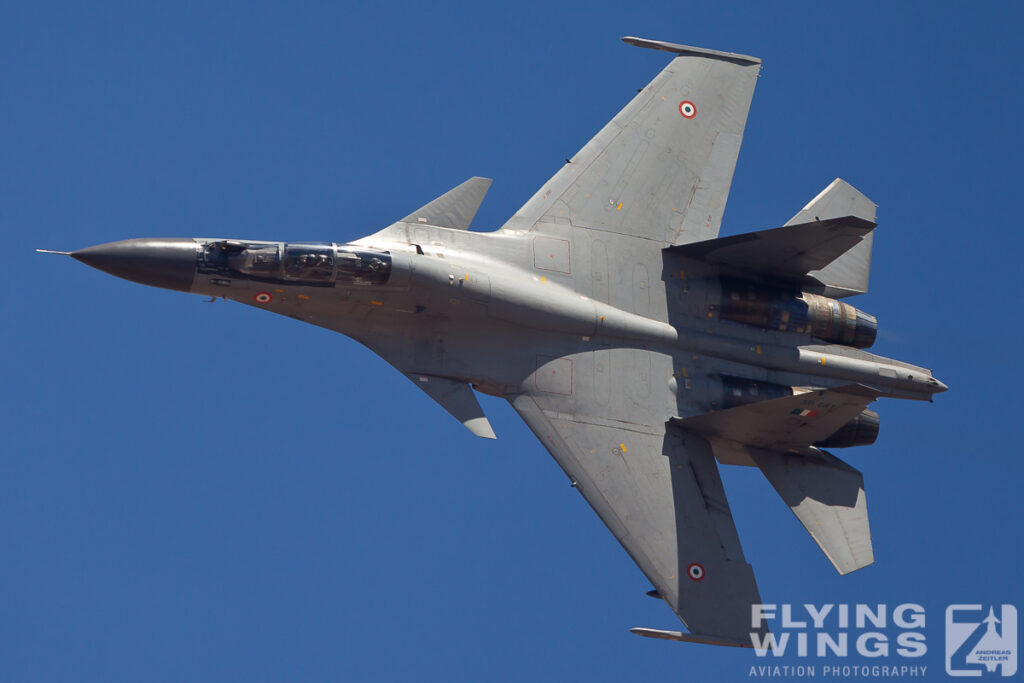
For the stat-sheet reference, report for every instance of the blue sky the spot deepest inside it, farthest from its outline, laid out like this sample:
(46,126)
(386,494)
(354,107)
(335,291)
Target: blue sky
(178,502)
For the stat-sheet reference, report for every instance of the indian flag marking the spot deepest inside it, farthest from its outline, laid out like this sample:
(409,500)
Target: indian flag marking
(805,413)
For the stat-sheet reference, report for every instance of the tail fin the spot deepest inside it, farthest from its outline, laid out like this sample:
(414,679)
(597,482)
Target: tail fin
(848,274)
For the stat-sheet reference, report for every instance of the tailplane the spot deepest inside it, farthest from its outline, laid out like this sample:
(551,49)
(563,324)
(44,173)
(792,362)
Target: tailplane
(781,437)
(825,248)
(827,496)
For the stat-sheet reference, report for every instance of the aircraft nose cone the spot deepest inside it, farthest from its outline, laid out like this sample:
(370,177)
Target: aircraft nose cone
(937,386)
(160,262)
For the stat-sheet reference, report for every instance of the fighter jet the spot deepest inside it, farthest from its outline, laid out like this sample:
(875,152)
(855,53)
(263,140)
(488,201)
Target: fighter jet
(642,349)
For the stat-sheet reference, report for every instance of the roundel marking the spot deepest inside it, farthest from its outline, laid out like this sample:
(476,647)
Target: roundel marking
(695,571)
(263,298)
(688,109)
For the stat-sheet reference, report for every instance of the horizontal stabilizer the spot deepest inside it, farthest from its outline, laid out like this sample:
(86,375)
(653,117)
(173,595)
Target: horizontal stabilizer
(782,424)
(688,637)
(458,399)
(827,496)
(787,253)
(455,208)
(849,273)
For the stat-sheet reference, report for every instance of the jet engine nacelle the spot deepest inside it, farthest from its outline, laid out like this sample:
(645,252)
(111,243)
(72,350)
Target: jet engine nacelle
(740,391)
(773,309)
(860,431)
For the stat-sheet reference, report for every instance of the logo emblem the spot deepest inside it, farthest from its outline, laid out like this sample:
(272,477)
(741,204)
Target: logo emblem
(263,298)
(688,109)
(695,571)
(981,640)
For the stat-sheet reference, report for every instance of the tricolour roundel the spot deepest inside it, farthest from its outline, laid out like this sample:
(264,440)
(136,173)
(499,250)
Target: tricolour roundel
(688,109)
(263,298)
(695,571)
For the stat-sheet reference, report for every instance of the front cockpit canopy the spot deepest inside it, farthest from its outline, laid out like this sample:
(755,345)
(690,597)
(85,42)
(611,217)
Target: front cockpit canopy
(319,264)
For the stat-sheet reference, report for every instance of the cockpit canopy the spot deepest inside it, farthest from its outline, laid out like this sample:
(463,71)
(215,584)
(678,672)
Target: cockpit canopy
(321,264)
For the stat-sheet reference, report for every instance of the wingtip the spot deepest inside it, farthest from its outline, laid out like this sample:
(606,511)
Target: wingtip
(678,636)
(690,50)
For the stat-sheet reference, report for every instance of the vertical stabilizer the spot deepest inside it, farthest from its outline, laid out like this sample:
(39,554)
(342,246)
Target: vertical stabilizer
(848,274)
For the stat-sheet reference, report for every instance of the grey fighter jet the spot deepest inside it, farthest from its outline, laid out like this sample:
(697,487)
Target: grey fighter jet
(642,349)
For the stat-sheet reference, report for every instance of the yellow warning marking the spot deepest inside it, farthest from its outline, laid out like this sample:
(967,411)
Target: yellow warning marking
(591,450)
(682,274)
(377,303)
(823,360)
(685,374)
(543,279)
(623,447)
(758,349)
(279,291)
(466,277)
(710,314)
(303,297)
(619,207)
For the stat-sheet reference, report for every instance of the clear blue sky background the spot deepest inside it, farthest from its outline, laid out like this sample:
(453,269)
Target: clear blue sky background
(179,501)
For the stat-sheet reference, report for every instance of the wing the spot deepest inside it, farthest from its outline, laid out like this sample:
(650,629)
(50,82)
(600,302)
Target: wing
(661,169)
(658,490)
